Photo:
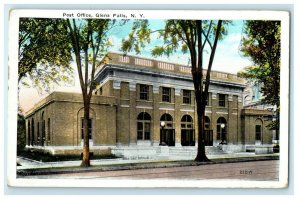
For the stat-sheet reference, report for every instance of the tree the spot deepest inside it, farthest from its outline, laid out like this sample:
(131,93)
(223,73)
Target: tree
(44,53)
(261,44)
(190,36)
(89,40)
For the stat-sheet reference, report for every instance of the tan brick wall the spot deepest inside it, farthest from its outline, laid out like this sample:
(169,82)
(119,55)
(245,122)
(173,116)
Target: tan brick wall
(65,111)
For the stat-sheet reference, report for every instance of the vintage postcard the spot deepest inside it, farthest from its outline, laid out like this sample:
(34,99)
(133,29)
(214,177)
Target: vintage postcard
(139,98)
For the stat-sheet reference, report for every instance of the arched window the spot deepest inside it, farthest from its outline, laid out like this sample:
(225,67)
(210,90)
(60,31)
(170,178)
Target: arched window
(222,130)
(167,118)
(43,129)
(28,133)
(143,126)
(167,133)
(187,131)
(38,133)
(208,133)
(32,132)
(49,129)
(206,123)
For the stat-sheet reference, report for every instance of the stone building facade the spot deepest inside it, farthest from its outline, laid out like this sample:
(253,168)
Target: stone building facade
(147,104)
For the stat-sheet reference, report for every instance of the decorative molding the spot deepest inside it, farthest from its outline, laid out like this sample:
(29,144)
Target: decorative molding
(187,110)
(214,95)
(155,88)
(124,106)
(167,109)
(144,107)
(224,113)
(132,86)
(116,84)
(177,91)
(240,98)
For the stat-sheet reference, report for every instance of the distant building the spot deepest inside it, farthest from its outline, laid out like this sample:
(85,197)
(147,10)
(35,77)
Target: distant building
(253,99)
(142,106)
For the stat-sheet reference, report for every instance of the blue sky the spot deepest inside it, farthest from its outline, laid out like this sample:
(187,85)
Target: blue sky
(228,57)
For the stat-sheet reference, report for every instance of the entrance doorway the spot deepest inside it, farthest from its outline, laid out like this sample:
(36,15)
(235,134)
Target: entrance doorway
(222,130)
(208,133)
(187,131)
(167,132)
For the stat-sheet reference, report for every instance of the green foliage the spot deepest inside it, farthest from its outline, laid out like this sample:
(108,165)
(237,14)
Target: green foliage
(44,52)
(262,45)
(89,43)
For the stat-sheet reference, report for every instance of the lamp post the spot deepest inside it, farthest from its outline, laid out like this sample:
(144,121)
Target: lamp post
(222,136)
(162,141)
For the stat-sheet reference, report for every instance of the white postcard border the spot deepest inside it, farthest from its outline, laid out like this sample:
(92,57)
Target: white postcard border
(157,14)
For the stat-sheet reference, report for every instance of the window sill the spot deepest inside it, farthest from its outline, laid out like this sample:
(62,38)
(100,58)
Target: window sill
(139,100)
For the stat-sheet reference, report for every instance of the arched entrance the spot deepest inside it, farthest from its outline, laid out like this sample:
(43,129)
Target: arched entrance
(208,133)
(222,130)
(167,131)
(29,133)
(32,132)
(187,131)
(43,137)
(143,126)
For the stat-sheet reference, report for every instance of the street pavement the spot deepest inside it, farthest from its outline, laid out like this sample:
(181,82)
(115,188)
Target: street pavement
(255,170)
(229,166)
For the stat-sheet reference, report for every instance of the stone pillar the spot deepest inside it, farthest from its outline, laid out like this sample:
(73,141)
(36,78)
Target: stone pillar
(239,120)
(117,94)
(231,122)
(155,137)
(177,116)
(193,100)
(132,114)
(214,117)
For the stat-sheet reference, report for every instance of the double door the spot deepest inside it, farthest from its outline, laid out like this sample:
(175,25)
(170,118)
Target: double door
(167,137)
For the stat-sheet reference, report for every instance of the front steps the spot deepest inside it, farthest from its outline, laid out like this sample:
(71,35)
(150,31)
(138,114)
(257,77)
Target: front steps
(163,152)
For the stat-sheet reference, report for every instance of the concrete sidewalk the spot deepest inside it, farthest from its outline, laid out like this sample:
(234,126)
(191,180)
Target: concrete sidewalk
(31,167)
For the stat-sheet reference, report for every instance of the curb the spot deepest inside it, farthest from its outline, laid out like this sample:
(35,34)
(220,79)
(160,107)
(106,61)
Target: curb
(134,166)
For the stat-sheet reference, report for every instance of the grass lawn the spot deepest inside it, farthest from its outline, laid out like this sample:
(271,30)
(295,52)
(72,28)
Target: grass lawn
(46,157)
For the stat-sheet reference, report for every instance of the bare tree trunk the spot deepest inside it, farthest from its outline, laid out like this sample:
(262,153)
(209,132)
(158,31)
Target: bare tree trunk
(201,156)
(86,150)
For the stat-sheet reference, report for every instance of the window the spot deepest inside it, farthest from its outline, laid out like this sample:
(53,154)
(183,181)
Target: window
(186,94)
(32,132)
(222,100)
(144,92)
(143,126)
(258,132)
(206,123)
(38,131)
(29,132)
(166,94)
(49,128)
(221,129)
(89,128)
(187,131)
(43,129)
